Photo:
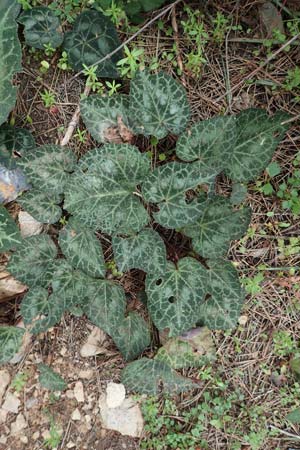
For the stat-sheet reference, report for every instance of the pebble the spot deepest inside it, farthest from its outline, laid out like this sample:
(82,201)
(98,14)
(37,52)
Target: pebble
(19,424)
(71,444)
(115,394)
(3,439)
(3,415)
(78,392)
(4,382)
(36,435)
(24,439)
(11,403)
(76,414)
(28,225)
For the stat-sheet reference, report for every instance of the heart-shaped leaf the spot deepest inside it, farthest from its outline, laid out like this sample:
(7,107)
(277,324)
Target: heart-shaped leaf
(217,226)
(150,377)
(50,379)
(169,186)
(42,27)
(33,262)
(145,251)
(102,194)
(48,167)
(158,105)
(41,205)
(82,249)
(132,336)
(105,117)
(174,298)
(10,55)
(14,140)
(10,236)
(10,342)
(40,310)
(93,37)
(105,305)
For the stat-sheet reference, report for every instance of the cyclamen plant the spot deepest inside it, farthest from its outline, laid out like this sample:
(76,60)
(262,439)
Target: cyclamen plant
(115,192)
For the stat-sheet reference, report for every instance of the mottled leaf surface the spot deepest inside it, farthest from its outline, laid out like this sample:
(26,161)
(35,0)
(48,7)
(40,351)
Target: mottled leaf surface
(10,55)
(174,298)
(10,342)
(169,186)
(33,262)
(105,305)
(93,37)
(48,167)
(132,336)
(102,194)
(50,379)
(145,251)
(158,105)
(102,115)
(82,249)
(41,310)
(10,236)
(217,226)
(42,206)
(41,27)
(12,140)
(150,377)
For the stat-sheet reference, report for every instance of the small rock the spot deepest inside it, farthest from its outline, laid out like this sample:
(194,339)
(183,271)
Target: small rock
(3,440)
(71,444)
(63,351)
(4,382)
(19,424)
(243,320)
(30,402)
(88,421)
(127,419)
(76,414)
(94,343)
(28,225)
(78,392)
(115,394)
(3,415)
(69,394)
(86,374)
(36,435)
(24,439)
(46,434)
(11,403)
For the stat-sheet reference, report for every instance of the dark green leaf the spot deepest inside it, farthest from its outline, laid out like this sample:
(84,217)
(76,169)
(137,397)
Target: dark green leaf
(41,205)
(10,236)
(10,342)
(294,416)
(14,140)
(50,379)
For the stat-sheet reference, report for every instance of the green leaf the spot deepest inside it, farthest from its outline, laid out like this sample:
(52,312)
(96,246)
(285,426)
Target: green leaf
(10,55)
(33,262)
(168,186)
(132,336)
(50,379)
(150,377)
(295,366)
(47,167)
(194,348)
(82,249)
(93,37)
(10,236)
(42,27)
(40,310)
(224,299)
(41,205)
(145,251)
(174,298)
(14,140)
(294,416)
(105,305)
(218,225)
(273,169)
(102,193)
(102,115)
(238,194)
(10,342)
(158,105)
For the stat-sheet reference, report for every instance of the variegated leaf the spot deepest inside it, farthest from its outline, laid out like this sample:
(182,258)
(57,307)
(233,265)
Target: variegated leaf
(10,236)
(10,342)
(42,206)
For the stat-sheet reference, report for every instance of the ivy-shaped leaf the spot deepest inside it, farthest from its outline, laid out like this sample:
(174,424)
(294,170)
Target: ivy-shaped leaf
(150,377)
(174,298)
(12,140)
(104,117)
(50,379)
(93,37)
(33,262)
(102,193)
(169,187)
(12,183)
(42,206)
(10,342)
(82,249)
(10,236)
(158,105)
(48,167)
(40,310)
(42,27)
(10,55)
(105,305)
(218,225)
(132,336)
(145,251)
(224,296)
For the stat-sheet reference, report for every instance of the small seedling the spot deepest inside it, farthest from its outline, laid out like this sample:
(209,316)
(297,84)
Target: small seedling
(48,98)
